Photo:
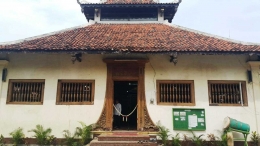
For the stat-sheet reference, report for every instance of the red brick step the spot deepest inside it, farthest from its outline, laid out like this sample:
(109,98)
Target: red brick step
(124,138)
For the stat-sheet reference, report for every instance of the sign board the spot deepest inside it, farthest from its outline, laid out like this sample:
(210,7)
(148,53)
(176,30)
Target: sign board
(189,119)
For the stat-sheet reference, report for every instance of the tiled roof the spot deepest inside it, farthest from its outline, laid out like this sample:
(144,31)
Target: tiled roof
(138,38)
(129,2)
(83,2)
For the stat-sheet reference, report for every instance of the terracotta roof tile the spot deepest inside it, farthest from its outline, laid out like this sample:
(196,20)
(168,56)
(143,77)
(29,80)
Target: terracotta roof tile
(130,38)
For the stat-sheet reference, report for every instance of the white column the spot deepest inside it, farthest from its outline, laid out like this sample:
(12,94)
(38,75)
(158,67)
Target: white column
(3,64)
(97,15)
(255,69)
(160,14)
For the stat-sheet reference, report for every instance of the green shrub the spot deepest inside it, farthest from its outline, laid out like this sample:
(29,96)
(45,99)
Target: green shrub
(176,140)
(84,133)
(70,140)
(255,138)
(43,136)
(224,139)
(213,140)
(17,136)
(197,140)
(163,133)
(1,140)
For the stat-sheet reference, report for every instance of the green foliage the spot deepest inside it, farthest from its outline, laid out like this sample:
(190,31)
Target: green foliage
(17,136)
(84,133)
(186,138)
(255,138)
(176,140)
(1,140)
(212,137)
(197,140)
(224,139)
(70,140)
(43,136)
(214,140)
(163,133)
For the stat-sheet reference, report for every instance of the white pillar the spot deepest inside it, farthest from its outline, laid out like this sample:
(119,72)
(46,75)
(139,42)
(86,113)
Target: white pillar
(160,14)
(255,69)
(3,64)
(97,15)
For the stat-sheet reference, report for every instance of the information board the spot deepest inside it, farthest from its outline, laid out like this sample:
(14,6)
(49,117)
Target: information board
(189,119)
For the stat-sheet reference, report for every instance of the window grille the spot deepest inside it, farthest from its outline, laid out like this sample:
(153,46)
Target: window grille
(25,92)
(175,92)
(75,92)
(227,93)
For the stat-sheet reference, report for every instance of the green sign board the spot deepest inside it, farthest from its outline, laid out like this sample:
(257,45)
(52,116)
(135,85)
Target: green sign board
(189,119)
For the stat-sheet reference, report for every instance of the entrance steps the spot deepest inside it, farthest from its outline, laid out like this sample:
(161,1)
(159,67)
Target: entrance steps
(124,138)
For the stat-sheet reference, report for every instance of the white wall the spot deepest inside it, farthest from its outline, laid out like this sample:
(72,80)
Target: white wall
(200,68)
(52,67)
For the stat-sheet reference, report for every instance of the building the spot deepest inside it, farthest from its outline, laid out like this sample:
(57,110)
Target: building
(128,51)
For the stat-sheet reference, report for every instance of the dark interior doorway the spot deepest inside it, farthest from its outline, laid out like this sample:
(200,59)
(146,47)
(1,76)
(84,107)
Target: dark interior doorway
(126,93)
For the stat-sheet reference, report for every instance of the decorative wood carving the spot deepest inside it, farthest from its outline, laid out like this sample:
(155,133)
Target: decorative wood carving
(101,123)
(149,125)
(125,70)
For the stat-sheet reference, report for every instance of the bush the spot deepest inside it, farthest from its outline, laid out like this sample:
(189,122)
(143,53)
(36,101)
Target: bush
(1,140)
(43,136)
(176,140)
(84,133)
(255,138)
(224,139)
(163,133)
(197,140)
(70,140)
(214,140)
(17,136)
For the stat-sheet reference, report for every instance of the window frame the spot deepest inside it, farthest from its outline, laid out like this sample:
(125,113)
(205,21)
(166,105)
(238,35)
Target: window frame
(243,88)
(192,92)
(60,81)
(10,91)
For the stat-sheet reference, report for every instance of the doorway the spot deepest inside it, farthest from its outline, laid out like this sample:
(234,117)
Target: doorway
(119,74)
(126,93)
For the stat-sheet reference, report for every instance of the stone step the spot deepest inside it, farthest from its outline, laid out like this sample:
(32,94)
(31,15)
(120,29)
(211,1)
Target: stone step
(95,142)
(123,136)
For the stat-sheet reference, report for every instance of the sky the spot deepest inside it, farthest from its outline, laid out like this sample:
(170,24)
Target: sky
(234,19)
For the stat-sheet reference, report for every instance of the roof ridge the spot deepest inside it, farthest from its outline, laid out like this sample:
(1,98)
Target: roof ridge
(211,35)
(107,2)
(129,23)
(44,35)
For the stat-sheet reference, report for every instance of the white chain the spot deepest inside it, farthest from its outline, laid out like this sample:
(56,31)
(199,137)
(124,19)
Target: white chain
(125,116)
